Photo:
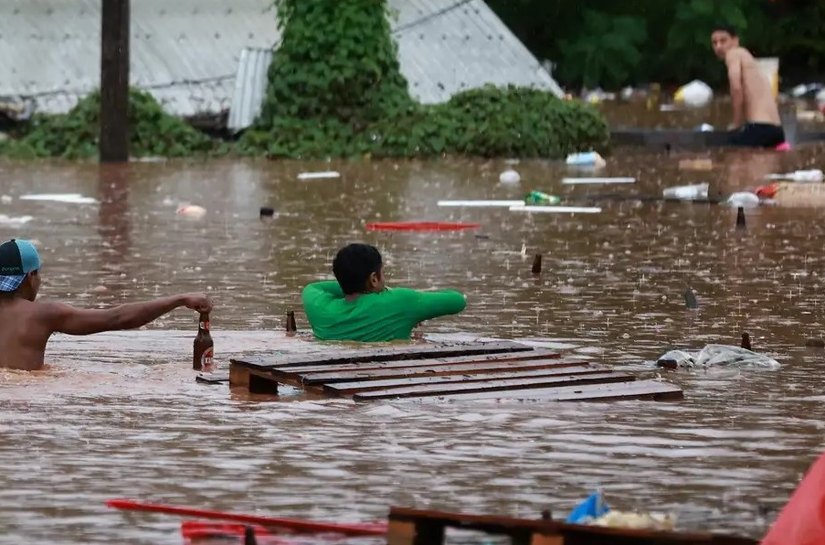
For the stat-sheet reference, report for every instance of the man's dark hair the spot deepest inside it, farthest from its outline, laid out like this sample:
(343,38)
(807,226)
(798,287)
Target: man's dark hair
(353,265)
(725,27)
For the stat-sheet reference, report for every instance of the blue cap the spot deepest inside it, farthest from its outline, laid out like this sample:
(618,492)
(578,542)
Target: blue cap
(17,259)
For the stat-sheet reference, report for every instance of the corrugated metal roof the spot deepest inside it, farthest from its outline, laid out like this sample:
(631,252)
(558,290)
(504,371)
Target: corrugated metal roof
(184,52)
(449,46)
(250,88)
(201,56)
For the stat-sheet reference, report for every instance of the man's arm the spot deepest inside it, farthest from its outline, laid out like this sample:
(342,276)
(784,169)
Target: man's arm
(74,321)
(325,287)
(432,304)
(737,91)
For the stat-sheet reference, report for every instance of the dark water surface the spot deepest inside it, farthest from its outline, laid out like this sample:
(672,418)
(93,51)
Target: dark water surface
(119,415)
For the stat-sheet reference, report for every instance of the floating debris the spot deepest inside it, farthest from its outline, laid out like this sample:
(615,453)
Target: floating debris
(14,221)
(590,158)
(690,299)
(69,198)
(319,175)
(509,176)
(192,211)
(593,181)
(482,203)
(558,209)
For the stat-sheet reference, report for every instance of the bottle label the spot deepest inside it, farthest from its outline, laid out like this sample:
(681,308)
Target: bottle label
(204,325)
(206,357)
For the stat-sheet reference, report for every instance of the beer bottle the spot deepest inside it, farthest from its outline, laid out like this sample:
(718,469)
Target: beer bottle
(204,347)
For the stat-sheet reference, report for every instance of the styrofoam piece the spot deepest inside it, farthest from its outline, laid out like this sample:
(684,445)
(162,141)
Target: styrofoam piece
(482,204)
(558,209)
(70,198)
(319,175)
(192,211)
(14,221)
(810,176)
(587,181)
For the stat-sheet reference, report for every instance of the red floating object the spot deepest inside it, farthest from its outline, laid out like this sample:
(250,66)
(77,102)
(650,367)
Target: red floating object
(421,226)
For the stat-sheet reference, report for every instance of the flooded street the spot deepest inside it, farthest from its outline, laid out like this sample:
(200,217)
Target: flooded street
(120,415)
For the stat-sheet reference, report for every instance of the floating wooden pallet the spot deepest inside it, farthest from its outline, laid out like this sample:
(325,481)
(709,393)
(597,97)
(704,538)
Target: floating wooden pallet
(415,527)
(478,371)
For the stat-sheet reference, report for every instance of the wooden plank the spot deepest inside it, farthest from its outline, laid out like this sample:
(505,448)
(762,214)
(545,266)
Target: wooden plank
(349,388)
(400,533)
(238,375)
(441,370)
(492,386)
(541,539)
(407,352)
(640,389)
(483,358)
(573,534)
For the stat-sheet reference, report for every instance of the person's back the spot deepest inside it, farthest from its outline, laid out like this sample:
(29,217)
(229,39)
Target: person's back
(26,325)
(358,307)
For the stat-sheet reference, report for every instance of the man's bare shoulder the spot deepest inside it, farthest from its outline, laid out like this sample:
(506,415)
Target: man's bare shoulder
(738,54)
(50,310)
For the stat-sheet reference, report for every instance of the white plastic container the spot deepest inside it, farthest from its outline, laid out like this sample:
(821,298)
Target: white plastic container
(586,159)
(695,192)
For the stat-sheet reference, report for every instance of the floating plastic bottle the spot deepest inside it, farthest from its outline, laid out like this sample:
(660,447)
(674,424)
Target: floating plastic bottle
(694,192)
(538,197)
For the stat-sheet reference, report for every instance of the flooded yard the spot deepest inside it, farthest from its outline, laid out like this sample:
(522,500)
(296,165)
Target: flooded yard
(119,415)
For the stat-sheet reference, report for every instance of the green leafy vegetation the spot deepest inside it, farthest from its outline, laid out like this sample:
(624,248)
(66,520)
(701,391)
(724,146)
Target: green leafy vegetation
(75,135)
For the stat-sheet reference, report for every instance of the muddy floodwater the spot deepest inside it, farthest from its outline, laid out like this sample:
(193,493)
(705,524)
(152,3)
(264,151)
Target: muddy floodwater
(119,415)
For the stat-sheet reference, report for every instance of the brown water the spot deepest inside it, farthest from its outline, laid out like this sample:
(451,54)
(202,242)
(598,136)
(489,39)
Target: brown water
(119,415)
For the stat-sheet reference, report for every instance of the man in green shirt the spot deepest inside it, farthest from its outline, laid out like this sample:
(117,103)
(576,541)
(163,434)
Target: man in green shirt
(358,307)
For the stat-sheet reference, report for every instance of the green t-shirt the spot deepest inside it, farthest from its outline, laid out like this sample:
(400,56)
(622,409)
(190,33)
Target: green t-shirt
(374,317)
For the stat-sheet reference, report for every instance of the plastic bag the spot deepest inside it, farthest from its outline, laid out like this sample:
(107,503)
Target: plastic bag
(588,510)
(718,355)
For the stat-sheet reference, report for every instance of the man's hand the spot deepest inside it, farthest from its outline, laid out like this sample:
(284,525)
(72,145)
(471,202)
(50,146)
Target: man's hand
(197,302)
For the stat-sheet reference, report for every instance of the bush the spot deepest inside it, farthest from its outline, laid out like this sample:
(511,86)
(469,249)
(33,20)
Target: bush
(75,135)
(493,122)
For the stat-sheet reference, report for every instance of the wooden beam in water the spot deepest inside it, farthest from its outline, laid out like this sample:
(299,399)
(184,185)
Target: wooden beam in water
(349,388)
(409,523)
(238,375)
(498,386)
(374,365)
(429,371)
(641,389)
(385,354)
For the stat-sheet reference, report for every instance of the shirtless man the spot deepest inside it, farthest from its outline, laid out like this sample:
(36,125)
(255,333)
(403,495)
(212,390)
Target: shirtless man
(755,115)
(25,326)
